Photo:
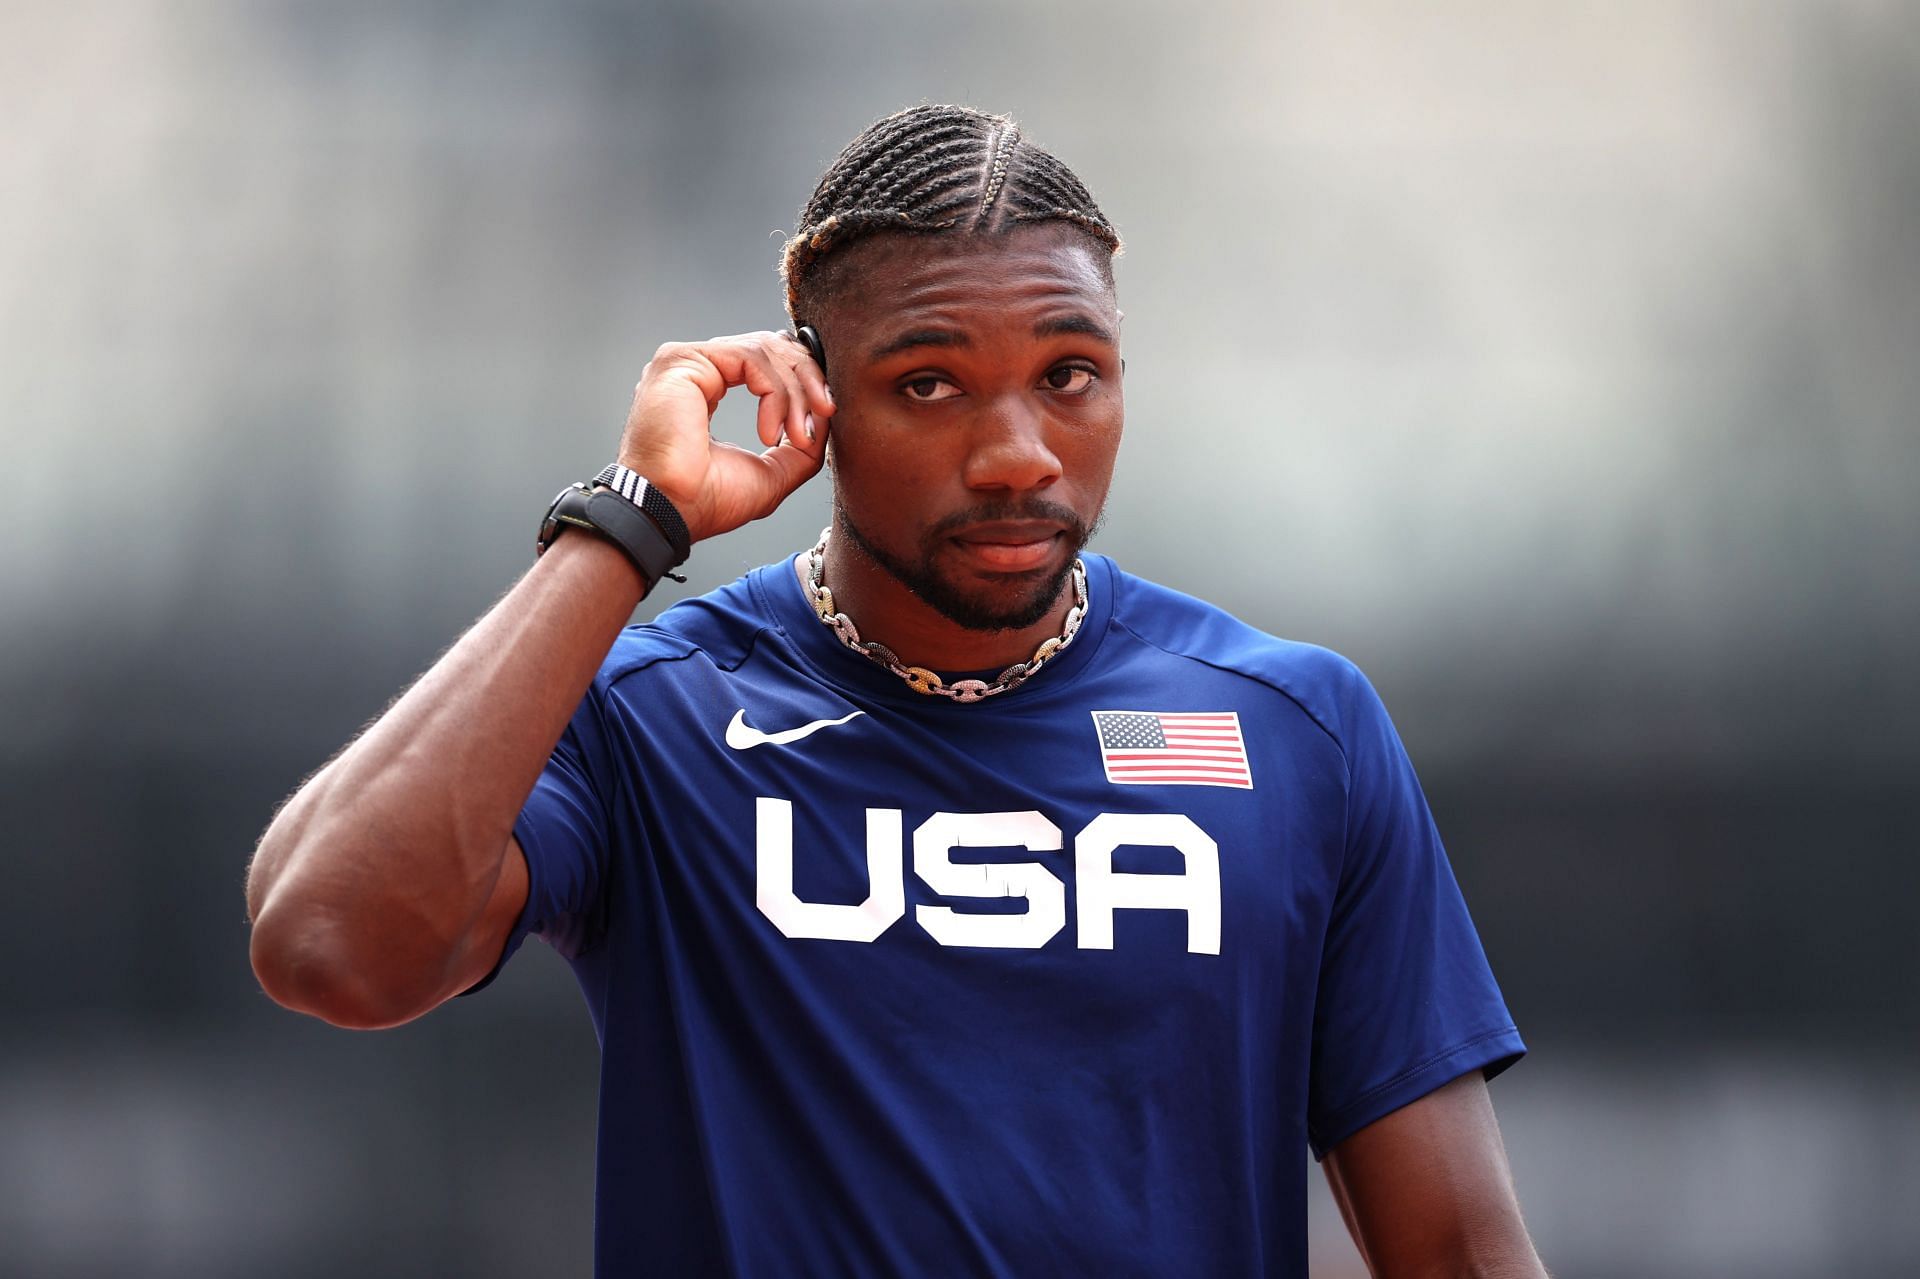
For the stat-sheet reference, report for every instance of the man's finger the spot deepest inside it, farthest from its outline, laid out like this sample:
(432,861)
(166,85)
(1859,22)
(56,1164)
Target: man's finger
(779,359)
(799,425)
(787,466)
(761,378)
(819,394)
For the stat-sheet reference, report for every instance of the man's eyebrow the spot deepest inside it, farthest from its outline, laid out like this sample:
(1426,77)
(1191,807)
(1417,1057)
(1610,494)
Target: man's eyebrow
(1073,323)
(1052,326)
(919,337)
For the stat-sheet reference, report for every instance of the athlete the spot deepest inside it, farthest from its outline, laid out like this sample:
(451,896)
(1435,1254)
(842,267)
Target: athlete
(947,901)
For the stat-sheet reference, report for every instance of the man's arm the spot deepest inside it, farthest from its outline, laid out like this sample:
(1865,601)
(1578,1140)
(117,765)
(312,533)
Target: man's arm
(1425,1191)
(370,893)
(391,881)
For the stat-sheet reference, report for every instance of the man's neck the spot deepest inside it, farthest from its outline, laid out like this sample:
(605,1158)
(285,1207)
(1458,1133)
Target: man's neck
(886,612)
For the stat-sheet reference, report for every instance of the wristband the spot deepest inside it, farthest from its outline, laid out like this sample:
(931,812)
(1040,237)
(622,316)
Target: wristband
(634,487)
(626,525)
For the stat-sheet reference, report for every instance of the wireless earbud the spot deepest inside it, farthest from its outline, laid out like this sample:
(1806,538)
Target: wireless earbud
(811,338)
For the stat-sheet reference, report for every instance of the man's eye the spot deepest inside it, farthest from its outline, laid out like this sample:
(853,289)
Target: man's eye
(929,388)
(1070,378)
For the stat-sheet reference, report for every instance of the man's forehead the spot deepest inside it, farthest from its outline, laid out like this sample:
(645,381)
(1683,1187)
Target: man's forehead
(1059,245)
(892,277)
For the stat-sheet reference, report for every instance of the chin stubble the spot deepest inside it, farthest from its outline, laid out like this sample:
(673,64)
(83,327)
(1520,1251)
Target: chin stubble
(925,581)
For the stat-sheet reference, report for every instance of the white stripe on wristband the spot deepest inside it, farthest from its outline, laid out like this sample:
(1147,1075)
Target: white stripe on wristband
(634,487)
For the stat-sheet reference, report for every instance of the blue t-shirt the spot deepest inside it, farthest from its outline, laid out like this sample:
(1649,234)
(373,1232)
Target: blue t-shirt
(1058,983)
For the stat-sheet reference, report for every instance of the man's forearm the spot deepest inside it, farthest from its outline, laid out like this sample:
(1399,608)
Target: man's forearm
(1427,1194)
(370,880)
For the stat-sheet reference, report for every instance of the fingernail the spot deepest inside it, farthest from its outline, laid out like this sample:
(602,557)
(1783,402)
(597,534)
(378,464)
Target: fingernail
(809,426)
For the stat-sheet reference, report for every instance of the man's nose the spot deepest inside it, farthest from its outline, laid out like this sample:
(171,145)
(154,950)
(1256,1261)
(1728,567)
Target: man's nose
(1011,449)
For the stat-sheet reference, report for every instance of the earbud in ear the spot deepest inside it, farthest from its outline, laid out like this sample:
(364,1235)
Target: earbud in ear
(810,337)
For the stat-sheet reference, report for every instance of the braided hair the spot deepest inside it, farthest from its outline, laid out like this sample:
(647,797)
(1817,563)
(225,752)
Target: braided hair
(927,170)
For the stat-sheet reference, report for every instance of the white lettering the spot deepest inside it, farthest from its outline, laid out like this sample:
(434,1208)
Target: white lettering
(1101,890)
(886,894)
(1046,912)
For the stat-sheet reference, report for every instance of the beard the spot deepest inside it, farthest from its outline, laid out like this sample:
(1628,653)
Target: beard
(1024,598)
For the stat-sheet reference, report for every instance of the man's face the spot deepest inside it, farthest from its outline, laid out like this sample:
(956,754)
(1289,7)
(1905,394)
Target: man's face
(977,385)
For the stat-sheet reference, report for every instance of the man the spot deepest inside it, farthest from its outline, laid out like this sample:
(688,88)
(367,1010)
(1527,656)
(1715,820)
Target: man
(946,902)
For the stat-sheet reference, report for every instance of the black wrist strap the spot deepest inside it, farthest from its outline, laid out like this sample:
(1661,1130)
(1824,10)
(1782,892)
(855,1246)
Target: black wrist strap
(634,487)
(613,517)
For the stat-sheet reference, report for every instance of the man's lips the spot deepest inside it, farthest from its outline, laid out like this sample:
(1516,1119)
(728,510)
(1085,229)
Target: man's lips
(1009,547)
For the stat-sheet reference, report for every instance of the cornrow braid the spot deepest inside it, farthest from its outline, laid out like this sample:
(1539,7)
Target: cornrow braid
(1005,139)
(928,170)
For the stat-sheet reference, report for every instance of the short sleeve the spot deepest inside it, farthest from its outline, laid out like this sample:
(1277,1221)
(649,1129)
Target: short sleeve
(563,831)
(1406,1000)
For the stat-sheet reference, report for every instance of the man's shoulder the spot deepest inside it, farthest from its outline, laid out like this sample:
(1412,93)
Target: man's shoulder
(720,627)
(1324,683)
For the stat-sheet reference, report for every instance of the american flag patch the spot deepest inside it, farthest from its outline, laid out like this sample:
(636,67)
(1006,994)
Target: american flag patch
(1165,748)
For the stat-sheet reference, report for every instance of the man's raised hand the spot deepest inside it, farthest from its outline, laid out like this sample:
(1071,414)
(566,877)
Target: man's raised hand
(718,486)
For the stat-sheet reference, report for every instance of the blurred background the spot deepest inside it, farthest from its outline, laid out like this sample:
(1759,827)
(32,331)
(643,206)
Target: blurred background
(1560,364)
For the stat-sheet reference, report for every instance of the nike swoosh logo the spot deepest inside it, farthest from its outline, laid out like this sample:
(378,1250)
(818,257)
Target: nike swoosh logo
(742,736)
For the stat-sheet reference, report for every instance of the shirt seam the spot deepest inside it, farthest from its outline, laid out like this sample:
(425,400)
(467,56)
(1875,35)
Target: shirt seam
(1346,760)
(1423,1064)
(623,784)
(693,651)
(1318,723)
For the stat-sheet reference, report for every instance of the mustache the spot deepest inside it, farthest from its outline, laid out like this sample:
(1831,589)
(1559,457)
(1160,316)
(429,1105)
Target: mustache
(1009,512)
